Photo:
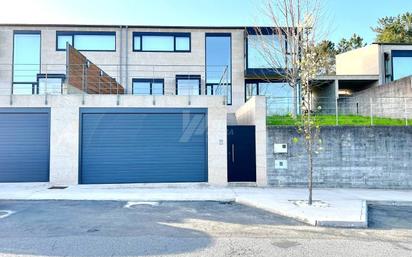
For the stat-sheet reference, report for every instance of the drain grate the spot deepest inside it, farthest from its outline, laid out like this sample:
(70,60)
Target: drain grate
(58,187)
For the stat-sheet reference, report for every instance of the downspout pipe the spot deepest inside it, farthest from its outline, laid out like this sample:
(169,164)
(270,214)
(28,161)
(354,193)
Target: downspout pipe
(121,55)
(127,59)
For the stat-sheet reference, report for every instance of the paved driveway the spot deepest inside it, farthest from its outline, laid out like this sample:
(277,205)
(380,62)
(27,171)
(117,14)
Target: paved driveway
(109,228)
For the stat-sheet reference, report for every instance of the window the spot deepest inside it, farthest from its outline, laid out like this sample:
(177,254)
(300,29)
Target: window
(53,84)
(187,84)
(270,89)
(264,50)
(280,93)
(26,61)
(401,64)
(86,41)
(161,42)
(148,86)
(219,65)
(260,45)
(222,89)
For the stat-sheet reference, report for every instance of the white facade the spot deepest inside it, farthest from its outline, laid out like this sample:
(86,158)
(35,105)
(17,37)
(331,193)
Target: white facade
(124,64)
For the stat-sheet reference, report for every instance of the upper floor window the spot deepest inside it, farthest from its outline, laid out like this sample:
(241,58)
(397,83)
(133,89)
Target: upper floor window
(148,86)
(86,41)
(161,42)
(265,49)
(26,61)
(219,65)
(401,64)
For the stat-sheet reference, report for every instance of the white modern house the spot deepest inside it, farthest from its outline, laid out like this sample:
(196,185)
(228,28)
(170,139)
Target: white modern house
(133,104)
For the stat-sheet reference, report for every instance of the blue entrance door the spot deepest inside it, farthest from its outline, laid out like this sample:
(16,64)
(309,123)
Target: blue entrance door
(128,145)
(241,157)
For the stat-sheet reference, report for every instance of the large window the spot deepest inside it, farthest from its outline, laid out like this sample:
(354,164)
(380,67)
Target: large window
(219,65)
(148,86)
(401,64)
(188,84)
(86,41)
(269,89)
(280,95)
(265,50)
(26,61)
(161,42)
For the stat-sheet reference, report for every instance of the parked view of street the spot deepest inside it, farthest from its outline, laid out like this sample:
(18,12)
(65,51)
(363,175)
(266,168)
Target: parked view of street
(114,228)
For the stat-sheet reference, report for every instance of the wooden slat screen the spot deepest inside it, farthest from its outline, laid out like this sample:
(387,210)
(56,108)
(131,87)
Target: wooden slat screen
(88,77)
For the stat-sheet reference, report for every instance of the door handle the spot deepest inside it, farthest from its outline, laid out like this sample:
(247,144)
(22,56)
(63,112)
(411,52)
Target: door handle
(233,153)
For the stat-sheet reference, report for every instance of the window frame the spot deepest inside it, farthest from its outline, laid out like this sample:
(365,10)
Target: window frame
(150,81)
(212,91)
(33,83)
(188,77)
(50,76)
(398,54)
(87,33)
(220,34)
(259,81)
(166,34)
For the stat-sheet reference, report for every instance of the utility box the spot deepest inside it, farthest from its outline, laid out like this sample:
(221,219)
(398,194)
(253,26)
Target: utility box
(280,148)
(281,164)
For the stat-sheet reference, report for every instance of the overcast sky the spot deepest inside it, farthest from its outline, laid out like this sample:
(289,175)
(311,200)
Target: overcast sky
(345,16)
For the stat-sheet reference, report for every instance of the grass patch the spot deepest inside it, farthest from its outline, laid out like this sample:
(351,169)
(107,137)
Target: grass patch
(344,120)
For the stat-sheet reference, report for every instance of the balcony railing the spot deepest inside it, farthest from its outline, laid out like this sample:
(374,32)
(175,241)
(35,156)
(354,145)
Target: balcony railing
(88,78)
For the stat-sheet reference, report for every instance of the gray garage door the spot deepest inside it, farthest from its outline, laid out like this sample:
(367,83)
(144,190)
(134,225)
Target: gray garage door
(24,144)
(128,145)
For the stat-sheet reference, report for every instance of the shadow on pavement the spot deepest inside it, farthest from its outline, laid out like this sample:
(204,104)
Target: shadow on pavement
(107,228)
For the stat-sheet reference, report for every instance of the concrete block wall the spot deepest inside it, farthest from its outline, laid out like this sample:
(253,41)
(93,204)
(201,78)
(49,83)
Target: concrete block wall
(393,100)
(253,112)
(352,157)
(64,139)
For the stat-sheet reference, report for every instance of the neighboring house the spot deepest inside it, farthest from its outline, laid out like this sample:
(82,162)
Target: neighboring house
(123,104)
(361,71)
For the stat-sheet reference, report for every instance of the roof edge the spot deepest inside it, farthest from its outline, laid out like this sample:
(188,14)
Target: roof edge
(120,25)
(394,44)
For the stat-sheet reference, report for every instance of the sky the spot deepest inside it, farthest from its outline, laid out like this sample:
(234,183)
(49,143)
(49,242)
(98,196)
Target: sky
(344,17)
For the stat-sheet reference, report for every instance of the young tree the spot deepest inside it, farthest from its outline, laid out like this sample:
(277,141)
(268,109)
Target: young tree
(394,29)
(352,43)
(292,46)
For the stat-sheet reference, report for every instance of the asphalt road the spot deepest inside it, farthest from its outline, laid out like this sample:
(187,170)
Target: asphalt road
(97,228)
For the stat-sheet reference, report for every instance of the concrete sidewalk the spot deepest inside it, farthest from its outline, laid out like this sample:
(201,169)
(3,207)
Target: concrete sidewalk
(333,207)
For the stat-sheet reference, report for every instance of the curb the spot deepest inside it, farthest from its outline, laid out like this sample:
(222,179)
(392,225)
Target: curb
(363,223)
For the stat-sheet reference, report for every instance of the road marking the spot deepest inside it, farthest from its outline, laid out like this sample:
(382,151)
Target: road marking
(5,213)
(131,204)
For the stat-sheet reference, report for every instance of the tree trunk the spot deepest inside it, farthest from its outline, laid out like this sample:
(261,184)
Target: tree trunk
(294,102)
(310,174)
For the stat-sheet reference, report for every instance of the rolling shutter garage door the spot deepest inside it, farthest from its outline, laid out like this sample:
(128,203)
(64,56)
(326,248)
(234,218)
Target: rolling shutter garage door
(129,145)
(24,144)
